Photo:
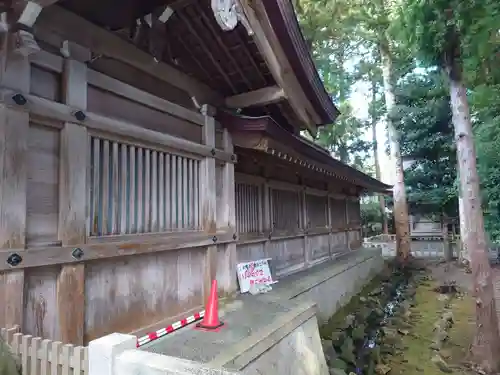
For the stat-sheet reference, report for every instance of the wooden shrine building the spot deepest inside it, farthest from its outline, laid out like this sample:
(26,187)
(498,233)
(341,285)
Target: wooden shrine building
(149,146)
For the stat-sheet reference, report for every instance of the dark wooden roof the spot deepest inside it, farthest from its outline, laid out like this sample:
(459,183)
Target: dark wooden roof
(228,62)
(263,133)
(286,26)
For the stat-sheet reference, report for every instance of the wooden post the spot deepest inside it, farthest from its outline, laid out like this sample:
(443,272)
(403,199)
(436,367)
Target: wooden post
(229,216)
(72,205)
(14,128)
(208,199)
(305,221)
(266,216)
(347,223)
(329,224)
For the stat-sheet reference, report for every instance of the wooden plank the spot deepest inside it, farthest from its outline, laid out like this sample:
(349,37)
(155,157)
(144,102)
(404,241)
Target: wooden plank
(115,182)
(127,91)
(96,220)
(132,201)
(58,111)
(168,190)
(140,191)
(147,191)
(263,96)
(123,183)
(114,246)
(174,217)
(103,42)
(105,188)
(54,63)
(14,128)
(162,190)
(72,206)
(154,192)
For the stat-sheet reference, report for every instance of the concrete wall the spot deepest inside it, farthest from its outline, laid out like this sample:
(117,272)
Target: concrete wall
(343,280)
(299,353)
(115,354)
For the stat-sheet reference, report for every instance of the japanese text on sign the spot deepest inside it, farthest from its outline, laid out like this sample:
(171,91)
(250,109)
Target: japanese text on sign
(255,272)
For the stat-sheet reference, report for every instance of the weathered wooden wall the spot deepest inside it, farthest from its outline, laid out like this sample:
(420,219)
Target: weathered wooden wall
(117,218)
(131,187)
(293,224)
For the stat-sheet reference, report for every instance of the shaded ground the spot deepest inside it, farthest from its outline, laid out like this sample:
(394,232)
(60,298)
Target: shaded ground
(420,352)
(429,332)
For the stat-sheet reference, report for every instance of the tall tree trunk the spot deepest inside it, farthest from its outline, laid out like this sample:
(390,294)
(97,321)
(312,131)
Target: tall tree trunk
(373,117)
(487,340)
(463,254)
(400,206)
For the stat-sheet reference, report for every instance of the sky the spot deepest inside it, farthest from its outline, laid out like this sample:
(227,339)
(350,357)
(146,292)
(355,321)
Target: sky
(360,100)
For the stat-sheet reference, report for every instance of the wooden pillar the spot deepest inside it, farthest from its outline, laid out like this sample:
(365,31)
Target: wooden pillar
(14,128)
(347,222)
(267,224)
(329,224)
(229,217)
(305,221)
(208,199)
(72,204)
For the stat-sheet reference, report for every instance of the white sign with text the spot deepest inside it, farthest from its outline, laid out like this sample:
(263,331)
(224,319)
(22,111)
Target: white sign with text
(255,272)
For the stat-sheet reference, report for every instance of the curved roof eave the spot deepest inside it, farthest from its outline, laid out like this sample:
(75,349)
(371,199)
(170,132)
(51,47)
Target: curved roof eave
(270,128)
(286,27)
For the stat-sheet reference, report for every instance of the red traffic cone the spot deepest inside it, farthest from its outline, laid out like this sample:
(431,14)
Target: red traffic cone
(211,320)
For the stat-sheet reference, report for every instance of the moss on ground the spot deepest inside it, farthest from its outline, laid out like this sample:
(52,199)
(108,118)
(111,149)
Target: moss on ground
(415,357)
(412,352)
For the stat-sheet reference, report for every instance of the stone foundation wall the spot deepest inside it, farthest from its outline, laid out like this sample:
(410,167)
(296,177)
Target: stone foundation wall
(335,292)
(298,353)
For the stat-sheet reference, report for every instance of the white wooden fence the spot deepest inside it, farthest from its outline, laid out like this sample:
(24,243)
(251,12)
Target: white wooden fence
(45,357)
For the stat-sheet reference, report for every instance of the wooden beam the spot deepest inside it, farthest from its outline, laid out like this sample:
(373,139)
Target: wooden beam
(263,96)
(132,93)
(100,41)
(54,63)
(14,128)
(278,64)
(72,206)
(111,247)
(97,123)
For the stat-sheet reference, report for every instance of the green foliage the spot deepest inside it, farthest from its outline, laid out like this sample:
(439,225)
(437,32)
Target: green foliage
(371,218)
(423,118)
(8,365)
(485,101)
(332,52)
(433,28)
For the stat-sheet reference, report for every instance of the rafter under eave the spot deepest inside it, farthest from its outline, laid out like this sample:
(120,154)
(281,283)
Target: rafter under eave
(263,96)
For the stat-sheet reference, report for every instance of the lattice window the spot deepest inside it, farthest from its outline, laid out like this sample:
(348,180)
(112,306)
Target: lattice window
(338,213)
(285,210)
(140,190)
(354,214)
(247,208)
(316,211)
